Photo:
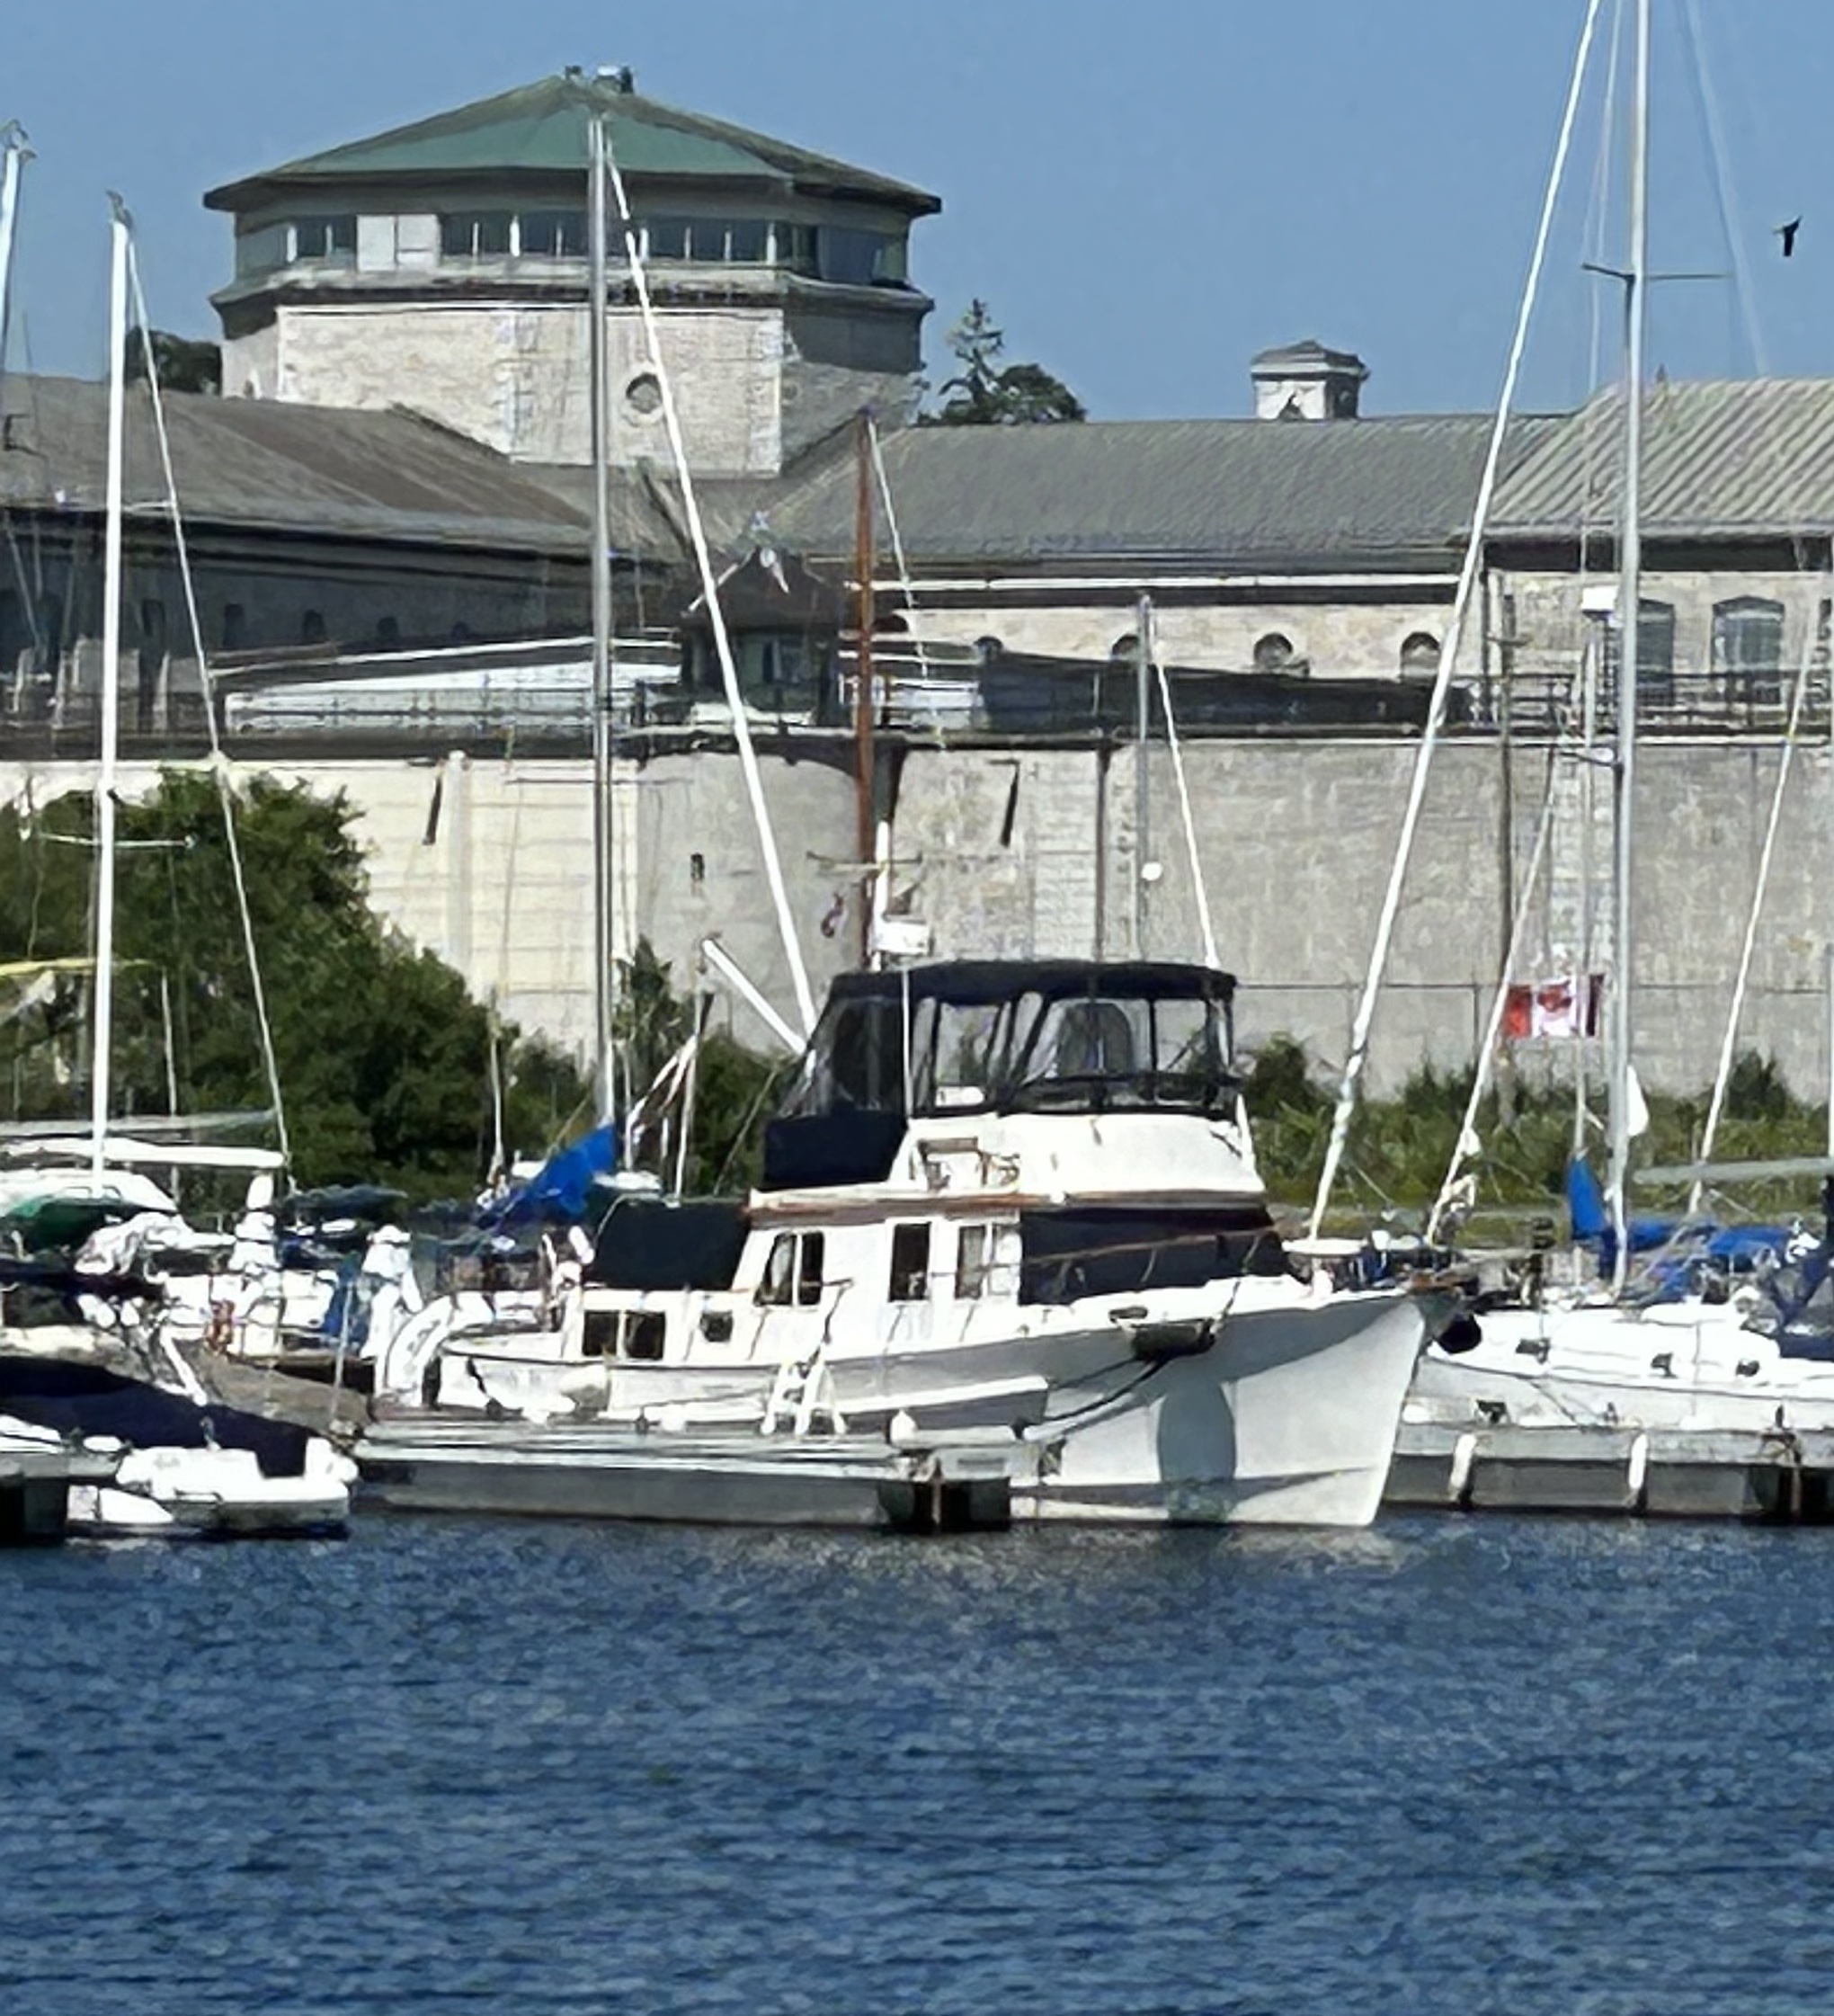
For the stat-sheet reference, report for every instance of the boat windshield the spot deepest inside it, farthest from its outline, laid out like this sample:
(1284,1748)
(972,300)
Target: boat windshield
(1087,1038)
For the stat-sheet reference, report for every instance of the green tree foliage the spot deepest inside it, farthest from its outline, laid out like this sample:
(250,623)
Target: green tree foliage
(985,393)
(1399,1149)
(384,1059)
(184,363)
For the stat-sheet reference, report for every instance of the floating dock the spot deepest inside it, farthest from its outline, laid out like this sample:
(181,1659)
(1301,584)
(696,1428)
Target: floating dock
(35,1482)
(1781,1475)
(595,1470)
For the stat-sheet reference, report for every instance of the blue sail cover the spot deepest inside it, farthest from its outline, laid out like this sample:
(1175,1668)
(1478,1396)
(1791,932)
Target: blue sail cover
(560,1189)
(1591,1221)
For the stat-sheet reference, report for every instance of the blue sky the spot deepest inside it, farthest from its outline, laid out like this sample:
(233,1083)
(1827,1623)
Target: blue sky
(1146,193)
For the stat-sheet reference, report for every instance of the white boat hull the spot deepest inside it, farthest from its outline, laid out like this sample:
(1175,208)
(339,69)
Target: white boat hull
(1286,1418)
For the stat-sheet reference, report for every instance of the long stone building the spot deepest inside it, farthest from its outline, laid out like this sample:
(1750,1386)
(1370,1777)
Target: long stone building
(389,509)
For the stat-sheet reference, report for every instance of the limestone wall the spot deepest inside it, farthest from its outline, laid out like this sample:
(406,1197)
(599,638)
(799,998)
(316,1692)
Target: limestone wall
(489,863)
(515,376)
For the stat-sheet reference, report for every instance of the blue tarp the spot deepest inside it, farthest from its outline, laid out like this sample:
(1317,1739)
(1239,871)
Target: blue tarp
(1591,1220)
(562,1186)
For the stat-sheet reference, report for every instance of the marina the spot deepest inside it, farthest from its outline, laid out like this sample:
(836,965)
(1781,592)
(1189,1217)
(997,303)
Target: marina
(835,1177)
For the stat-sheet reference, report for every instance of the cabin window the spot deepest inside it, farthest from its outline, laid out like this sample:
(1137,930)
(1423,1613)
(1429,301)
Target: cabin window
(697,869)
(910,1263)
(645,1331)
(235,626)
(971,1263)
(599,1333)
(793,1272)
(1273,652)
(956,1046)
(312,627)
(389,632)
(1748,650)
(475,234)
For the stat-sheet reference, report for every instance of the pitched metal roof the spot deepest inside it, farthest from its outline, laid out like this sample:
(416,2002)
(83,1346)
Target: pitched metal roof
(1748,458)
(260,464)
(542,128)
(1235,493)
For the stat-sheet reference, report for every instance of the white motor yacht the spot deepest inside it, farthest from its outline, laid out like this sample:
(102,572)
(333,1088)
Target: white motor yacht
(1009,1207)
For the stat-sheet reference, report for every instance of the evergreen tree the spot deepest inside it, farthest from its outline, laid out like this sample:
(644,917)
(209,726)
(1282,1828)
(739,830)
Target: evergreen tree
(985,393)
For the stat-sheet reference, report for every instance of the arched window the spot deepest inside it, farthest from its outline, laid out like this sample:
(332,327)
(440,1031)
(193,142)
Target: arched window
(1273,652)
(1419,656)
(1748,650)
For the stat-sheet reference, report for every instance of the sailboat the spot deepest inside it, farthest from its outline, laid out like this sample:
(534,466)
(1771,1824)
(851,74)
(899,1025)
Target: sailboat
(1726,1353)
(185,1464)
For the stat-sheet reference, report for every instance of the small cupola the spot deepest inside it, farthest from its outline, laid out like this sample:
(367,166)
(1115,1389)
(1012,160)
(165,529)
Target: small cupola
(1306,381)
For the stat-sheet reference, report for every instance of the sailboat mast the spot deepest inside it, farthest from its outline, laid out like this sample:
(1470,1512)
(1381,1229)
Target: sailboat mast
(1629,603)
(17,153)
(604,951)
(864,759)
(102,1035)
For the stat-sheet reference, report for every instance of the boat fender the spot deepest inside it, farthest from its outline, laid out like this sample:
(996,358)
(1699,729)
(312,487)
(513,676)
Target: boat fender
(1462,1333)
(1157,1341)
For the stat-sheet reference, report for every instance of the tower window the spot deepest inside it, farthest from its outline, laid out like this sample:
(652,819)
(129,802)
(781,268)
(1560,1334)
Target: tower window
(333,239)
(476,235)
(552,235)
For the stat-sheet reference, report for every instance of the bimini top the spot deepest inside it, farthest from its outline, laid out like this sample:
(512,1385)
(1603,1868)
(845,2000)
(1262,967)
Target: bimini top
(992,980)
(998,1036)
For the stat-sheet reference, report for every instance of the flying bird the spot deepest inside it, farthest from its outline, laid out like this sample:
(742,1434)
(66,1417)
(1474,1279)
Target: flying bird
(1787,233)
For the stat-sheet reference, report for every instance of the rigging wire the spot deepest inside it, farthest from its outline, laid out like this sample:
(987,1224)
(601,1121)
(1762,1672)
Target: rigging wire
(1448,650)
(1726,197)
(742,729)
(219,767)
(876,448)
(1466,1144)
(1184,806)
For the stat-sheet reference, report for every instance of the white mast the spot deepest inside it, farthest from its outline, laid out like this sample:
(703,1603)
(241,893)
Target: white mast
(709,587)
(17,153)
(103,1032)
(604,951)
(1629,596)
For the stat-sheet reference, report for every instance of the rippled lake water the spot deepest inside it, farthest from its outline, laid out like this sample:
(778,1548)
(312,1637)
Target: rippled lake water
(1449,1764)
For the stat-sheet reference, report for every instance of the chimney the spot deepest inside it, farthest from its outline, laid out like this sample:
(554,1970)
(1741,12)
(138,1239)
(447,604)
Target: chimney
(1306,381)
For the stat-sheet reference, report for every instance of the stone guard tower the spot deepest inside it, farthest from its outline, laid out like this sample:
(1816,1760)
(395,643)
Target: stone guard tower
(443,267)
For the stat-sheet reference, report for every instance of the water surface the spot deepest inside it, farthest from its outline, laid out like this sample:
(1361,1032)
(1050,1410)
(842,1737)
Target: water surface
(1457,1764)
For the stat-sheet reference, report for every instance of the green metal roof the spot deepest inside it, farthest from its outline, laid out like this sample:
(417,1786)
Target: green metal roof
(541,128)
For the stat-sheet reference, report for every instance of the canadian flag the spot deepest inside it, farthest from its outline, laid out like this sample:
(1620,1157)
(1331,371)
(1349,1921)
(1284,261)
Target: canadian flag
(1565,1007)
